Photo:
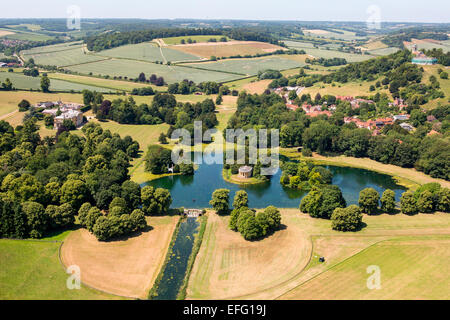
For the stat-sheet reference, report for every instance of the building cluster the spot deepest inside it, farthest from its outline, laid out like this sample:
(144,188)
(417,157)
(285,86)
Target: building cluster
(354,102)
(9,65)
(61,111)
(421,58)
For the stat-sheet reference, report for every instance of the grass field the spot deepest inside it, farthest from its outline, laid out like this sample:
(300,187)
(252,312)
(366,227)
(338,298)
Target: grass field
(249,66)
(115,85)
(21,81)
(132,69)
(428,45)
(126,267)
(445,85)
(23,35)
(281,264)
(342,35)
(383,51)
(412,268)
(32,270)
(199,39)
(64,58)
(148,52)
(54,48)
(227,49)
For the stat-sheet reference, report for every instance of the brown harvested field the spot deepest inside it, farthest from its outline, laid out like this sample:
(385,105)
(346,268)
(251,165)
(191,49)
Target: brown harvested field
(226,49)
(280,266)
(124,267)
(6,33)
(257,87)
(228,266)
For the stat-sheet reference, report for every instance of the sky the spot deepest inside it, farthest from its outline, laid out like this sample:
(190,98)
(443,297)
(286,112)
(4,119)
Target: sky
(300,10)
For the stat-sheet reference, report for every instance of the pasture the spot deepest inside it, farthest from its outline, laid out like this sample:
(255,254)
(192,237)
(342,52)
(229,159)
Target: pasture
(249,66)
(32,270)
(21,81)
(148,52)
(227,49)
(339,34)
(328,54)
(64,58)
(132,69)
(285,265)
(23,35)
(383,51)
(54,48)
(125,267)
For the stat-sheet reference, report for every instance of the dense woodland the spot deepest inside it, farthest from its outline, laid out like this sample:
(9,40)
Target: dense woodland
(47,184)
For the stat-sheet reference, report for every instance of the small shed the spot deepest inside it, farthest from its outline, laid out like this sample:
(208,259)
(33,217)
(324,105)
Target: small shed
(245,172)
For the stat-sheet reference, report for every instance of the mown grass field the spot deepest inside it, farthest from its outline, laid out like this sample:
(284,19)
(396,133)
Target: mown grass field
(280,265)
(411,268)
(32,270)
(199,39)
(132,69)
(23,82)
(148,52)
(227,49)
(64,58)
(249,66)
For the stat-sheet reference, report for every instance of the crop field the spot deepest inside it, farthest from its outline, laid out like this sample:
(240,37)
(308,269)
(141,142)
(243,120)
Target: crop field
(54,48)
(428,44)
(32,270)
(63,58)
(299,44)
(383,51)
(328,54)
(23,35)
(21,81)
(227,49)
(126,267)
(132,69)
(342,34)
(249,66)
(285,265)
(148,52)
(199,39)
(100,82)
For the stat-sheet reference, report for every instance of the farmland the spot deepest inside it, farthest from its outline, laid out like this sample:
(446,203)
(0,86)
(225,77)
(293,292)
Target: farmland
(328,54)
(23,35)
(126,267)
(21,81)
(198,39)
(64,58)
(227,49)
(340,34)
(54,48)
(148,52)
(249,66)
(131,69)
(225,260)
(428,44)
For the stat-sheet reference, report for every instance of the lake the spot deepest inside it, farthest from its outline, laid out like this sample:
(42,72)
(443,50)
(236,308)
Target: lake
(195,191)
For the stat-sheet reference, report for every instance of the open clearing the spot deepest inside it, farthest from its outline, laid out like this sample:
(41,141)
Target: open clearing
(249,66)
(227,266)
(124,267)
(132,69)
(227,49)
(32,270)
(148,52)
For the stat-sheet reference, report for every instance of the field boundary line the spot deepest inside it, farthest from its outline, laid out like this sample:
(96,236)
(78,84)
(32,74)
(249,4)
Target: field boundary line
(54,51)
(83,63)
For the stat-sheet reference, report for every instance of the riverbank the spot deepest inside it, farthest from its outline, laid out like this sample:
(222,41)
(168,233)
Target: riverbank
(407,177)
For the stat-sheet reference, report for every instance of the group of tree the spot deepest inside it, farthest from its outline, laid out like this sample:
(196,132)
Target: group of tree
(153,79)
(428,198)
(327,62)
(304,175)
(158,160)
(46,182)
(208,87)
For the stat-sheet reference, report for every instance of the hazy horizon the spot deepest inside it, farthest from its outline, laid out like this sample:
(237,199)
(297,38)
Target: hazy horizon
(402,11)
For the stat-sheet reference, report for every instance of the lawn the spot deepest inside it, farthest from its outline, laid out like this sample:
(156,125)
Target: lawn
(249,66)
(281,265)
(127,267)
(132,69)
(23,82)
(227,49)
(32,270)
(64,58)
(148,52)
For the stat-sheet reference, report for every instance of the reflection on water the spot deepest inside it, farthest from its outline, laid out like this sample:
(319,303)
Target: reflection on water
(195,191)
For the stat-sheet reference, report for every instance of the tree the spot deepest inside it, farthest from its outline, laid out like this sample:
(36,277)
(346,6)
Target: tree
(251,229)
(408,204)
(93,215)
(220,201)
(157,159)
(443,203)
(368,200)
(24,105)
(83,212)
(7,85)
(418,117)
(74,192)
(131,192)
(138,220)
(119,202)
(388,201)
(186,169)
(346,219)
(62,216)
(219,100)
(240,199)
(36,218)
(273,216)
(320,202)
(45,83)
(425,202)
(142,77)
(162,138)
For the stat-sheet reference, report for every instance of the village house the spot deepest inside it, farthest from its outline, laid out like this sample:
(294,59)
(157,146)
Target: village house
(62,111)
(406,126)
(75,116)
(401,117)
